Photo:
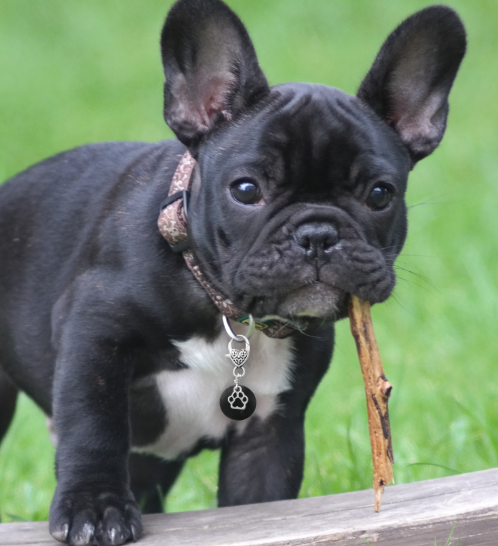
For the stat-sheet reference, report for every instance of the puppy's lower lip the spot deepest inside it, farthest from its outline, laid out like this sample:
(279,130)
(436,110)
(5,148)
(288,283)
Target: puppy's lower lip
(317,300)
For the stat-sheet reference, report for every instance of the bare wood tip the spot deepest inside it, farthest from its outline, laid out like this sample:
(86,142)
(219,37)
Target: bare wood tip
(378,497)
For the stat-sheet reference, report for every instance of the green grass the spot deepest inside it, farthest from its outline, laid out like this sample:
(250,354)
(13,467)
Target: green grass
(448,542)
(75,72)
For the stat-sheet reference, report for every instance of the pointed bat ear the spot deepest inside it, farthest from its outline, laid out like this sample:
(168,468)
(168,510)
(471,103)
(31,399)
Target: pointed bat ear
(212,73)
(411,77)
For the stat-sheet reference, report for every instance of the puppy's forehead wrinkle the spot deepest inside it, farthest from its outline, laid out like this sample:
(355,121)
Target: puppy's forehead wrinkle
(319,106)
(311,137)
(370,165)
(290,105)
(317,135)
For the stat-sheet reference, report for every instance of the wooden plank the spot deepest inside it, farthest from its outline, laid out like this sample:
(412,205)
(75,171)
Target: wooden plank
(412,515)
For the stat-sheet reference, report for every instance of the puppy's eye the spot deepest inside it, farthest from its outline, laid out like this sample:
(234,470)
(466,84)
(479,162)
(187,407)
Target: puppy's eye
(245,191)
(380,197)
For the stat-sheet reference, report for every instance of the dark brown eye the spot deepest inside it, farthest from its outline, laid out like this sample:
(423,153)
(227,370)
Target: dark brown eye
(245,191)
(380,197)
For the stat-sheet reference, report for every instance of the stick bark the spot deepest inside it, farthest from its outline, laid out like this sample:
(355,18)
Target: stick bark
(377,390)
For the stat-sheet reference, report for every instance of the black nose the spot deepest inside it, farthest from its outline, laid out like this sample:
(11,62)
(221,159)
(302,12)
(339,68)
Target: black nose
(316,238)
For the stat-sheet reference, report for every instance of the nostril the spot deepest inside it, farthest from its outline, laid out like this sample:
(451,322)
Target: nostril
(316,237)
(330,239)
(302,238)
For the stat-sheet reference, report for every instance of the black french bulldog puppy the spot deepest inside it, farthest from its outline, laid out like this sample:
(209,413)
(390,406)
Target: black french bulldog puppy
(297,202)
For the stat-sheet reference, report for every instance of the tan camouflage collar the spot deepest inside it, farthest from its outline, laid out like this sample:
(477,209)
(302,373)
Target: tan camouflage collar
(172,223)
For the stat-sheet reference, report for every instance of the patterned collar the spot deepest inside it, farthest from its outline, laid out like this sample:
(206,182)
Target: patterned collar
(172,224)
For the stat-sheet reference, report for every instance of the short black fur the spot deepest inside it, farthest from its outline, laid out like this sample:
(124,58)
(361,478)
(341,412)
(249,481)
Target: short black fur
(95,307)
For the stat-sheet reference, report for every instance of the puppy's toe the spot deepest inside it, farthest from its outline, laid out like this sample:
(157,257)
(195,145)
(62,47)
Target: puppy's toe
(60,531)
(82,534)
(120,526)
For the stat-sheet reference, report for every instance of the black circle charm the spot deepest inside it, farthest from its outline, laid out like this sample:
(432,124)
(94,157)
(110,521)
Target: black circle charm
(238,402)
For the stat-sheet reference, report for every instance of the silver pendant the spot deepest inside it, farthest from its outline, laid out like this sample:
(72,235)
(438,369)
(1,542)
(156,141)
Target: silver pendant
(229,403)
(238,402)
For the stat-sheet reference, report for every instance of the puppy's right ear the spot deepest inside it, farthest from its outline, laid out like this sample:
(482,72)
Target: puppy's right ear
(212,73)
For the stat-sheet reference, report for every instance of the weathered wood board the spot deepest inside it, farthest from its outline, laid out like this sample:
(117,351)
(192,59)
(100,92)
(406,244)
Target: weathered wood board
(414,514)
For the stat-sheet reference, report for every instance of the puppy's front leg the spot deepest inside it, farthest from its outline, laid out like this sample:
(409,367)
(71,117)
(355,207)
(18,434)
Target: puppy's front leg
(93,503)
(264,463)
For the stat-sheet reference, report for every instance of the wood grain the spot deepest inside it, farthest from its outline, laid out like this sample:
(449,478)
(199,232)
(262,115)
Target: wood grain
(412,515)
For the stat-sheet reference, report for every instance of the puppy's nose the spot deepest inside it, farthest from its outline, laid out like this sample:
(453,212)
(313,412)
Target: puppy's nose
(317,238)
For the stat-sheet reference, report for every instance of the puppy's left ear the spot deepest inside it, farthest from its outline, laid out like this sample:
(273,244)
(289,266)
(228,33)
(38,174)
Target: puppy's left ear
(212,73)
(411,78)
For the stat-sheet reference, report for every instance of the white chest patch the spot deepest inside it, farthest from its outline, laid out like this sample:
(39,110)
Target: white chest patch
(191,396)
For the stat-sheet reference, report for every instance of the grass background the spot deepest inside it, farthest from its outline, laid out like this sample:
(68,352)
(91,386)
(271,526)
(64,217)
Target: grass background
(73,72)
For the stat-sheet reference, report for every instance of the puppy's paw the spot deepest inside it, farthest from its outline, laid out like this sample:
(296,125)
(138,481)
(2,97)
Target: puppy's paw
(86,517)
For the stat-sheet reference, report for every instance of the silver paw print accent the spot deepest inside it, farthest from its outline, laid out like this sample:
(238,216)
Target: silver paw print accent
(238,397)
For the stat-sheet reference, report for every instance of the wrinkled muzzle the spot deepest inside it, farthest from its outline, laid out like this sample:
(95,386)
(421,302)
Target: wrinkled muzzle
(305,264)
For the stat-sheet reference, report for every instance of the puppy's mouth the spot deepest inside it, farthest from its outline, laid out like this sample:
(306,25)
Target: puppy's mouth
(314,303)
(281,280)
(316,300)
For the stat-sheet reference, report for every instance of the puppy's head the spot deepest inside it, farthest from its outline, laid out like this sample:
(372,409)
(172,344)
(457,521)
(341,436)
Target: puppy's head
(298,198)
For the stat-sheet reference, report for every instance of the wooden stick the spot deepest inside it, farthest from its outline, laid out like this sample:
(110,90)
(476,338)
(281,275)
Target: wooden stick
(377,390)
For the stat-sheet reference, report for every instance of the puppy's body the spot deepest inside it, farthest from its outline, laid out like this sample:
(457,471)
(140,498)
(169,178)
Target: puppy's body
(297,201)
(176,343)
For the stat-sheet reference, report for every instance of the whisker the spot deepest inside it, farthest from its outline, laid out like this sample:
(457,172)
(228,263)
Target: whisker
(417,284)
(432,201)
(419,275)
(393,295)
